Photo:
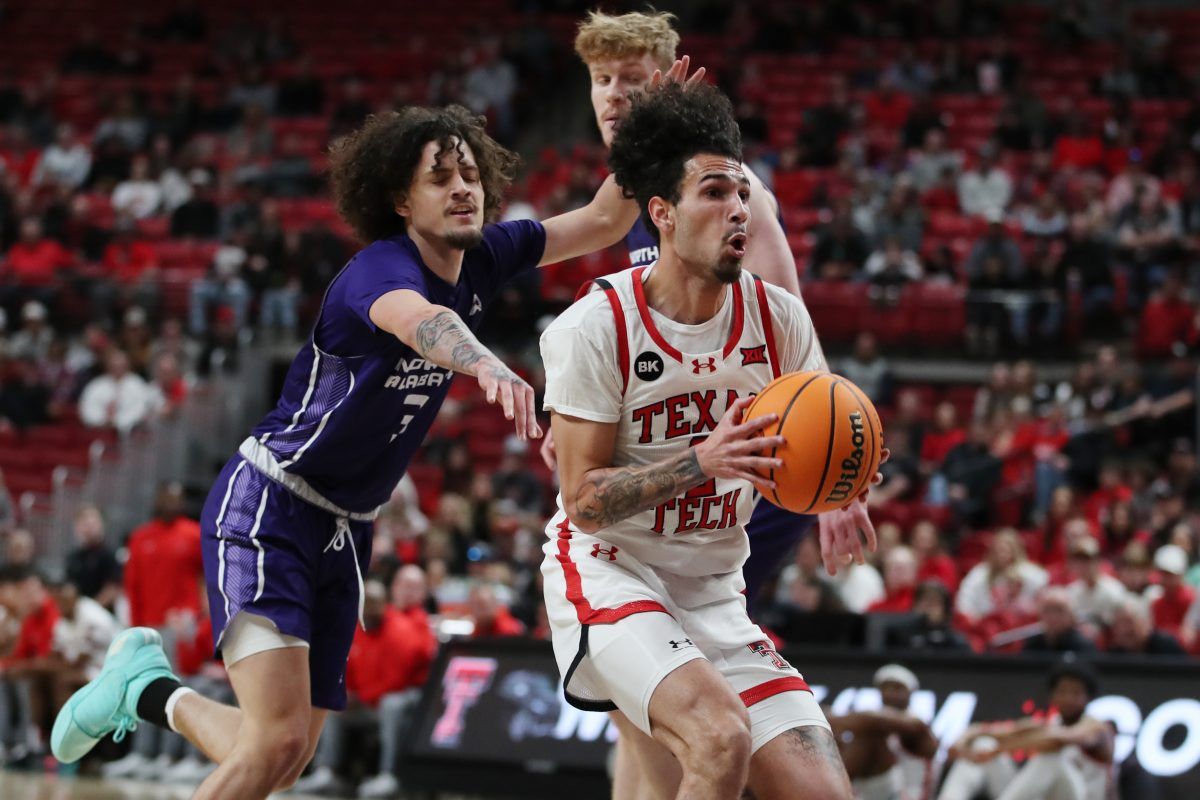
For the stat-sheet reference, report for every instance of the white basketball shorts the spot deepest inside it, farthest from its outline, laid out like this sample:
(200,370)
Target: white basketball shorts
(619,628)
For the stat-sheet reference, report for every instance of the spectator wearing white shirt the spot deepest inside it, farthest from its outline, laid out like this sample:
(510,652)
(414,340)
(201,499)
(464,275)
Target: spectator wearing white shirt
(986,187)
(84,630)
(1004,577)
(1094,595)
(66,162)
(932,160)
(892,265)
(118,398)
(139,196)
(860,586)
(33,340)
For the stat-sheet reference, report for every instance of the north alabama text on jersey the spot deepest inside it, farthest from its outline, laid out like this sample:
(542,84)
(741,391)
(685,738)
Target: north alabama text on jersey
(413,373)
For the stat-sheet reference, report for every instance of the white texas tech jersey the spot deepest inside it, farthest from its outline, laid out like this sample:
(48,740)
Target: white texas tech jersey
(610,358)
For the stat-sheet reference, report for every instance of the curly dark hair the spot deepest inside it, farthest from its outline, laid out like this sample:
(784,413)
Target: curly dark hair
(371,169)
(667,126)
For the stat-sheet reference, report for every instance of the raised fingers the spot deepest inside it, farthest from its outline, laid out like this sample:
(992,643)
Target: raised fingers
(828,555)
(531,427)
(504,391)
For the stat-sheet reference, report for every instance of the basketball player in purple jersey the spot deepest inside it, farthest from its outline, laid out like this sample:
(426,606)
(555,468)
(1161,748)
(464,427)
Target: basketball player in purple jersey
(621,53)
(287,526)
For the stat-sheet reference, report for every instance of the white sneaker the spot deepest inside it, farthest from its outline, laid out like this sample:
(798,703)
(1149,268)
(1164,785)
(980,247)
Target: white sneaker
(124,767)
(154,769)
(320,780)
(189,770)
(384,785)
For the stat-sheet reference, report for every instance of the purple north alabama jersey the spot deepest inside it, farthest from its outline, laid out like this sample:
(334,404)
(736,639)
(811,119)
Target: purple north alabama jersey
(357,402)
(772,531)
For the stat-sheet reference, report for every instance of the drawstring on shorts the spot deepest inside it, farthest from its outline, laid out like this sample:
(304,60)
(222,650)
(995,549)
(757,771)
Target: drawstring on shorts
(341,535)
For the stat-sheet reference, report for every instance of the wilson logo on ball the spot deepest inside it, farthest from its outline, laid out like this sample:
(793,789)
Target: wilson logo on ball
(851,466)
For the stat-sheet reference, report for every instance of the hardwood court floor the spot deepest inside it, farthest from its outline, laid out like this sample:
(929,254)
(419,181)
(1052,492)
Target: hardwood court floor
(31,786)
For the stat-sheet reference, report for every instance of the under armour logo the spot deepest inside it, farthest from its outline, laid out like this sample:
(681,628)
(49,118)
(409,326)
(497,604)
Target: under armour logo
(767,650)
(476,306)
(709,365)
(681,643)
(599,550)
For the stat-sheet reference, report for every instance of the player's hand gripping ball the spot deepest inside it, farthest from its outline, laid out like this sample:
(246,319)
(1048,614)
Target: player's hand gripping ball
(832,441)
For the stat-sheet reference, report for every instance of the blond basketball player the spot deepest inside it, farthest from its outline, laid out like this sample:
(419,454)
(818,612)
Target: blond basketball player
(646,381)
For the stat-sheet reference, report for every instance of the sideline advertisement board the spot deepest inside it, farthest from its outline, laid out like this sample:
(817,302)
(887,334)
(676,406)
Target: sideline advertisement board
(493,720)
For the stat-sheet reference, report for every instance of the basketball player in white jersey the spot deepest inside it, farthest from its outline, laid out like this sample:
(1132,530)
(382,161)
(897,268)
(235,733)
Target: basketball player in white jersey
(623,53)
(647,379)
(888,753)
(1073,753)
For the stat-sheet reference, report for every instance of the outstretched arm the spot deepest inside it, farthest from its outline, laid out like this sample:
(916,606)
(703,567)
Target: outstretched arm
(1035,736)
(600,223)
(441,336)
(914,734)
(1089,734)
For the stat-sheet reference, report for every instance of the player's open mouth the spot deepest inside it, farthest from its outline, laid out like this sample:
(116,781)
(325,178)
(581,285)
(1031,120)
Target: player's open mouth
(737,243)
(463,212)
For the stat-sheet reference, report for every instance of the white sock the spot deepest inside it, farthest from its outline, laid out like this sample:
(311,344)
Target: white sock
(172,701)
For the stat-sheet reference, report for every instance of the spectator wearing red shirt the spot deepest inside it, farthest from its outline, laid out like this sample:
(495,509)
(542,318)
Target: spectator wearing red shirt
(164,570)
(35,260)
(28,656)
(382,658)
(17,157)
(944,436)
(1078,147)
(900,581)
(24,597)
(410,593)
(887,108)
(490,616)
(382,674)
(933,562)
(1166,319)
(1171,606)
(130,270)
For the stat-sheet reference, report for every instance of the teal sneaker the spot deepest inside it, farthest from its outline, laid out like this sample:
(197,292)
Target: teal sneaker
(108,704)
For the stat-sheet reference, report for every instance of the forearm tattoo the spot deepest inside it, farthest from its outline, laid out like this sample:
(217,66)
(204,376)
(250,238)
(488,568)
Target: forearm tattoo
(445,340)
(611,495)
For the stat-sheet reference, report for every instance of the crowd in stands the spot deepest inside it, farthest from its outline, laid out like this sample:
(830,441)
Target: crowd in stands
(152,229)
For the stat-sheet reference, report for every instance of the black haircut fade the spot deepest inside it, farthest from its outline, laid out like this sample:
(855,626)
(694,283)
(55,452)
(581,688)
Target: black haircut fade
(1074,670)
(371,169)
(667,126)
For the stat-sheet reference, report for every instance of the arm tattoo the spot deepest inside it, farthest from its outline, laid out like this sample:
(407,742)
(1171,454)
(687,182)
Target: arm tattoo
(611,495)
(446,341)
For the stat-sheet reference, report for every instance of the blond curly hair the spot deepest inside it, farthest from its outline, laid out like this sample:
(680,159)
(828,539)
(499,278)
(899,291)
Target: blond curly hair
(607,36)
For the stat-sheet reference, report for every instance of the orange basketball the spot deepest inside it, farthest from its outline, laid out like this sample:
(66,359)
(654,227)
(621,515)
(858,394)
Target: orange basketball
(832,441)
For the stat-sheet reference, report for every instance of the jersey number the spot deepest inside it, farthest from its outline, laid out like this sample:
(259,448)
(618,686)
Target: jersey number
(418,400)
